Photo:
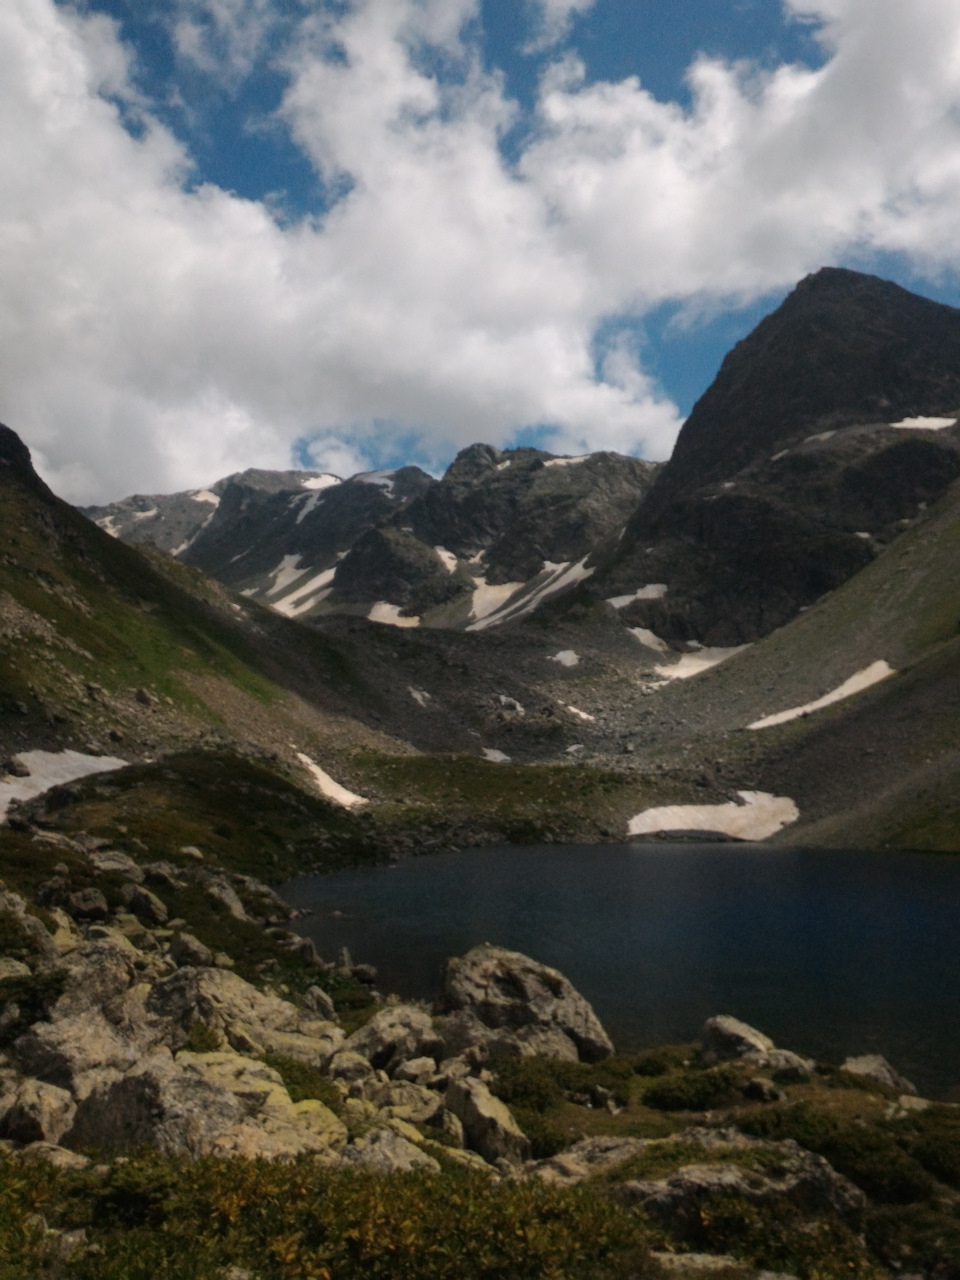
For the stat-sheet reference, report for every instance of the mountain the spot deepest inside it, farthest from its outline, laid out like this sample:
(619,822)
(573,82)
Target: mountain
(500,532)
(825,433)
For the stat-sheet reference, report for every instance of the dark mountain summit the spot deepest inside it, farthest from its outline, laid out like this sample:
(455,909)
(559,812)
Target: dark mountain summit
(843,348)
(823,435)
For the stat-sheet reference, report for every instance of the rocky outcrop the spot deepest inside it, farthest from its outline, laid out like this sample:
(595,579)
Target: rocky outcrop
(505,989)
(488,1124)
(249,1020)
(394,1035)
(764,1174)
(385,1151)
(204,1104)
(587,1158)
(872,1066)
(727,1039)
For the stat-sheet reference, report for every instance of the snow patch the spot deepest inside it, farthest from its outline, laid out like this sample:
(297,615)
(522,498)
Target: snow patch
(566,658)
(652,591)
(332,790)
(649,639)
(559,576)
(860,680)
(323,481)
(691,664)
(312,502)
(581,715)
(419,696)
(821,435)
(448,558)
(285,574)
(306,595)
(511,704)
(144,515)
(383,479)
(566,462)
(108,525)
(924,424)
(487,600)
(502,466)
(51,769)
(389,614)
(759,816)
(205,495)
(497,757)
(782,454)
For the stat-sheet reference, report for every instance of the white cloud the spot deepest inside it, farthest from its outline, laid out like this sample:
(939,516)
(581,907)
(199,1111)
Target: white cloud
(154,336)
(553,19)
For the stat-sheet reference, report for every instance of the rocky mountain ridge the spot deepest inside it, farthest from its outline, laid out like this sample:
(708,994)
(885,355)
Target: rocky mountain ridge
(499,528)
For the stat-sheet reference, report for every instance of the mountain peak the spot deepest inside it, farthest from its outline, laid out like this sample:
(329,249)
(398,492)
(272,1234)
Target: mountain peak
(842,348)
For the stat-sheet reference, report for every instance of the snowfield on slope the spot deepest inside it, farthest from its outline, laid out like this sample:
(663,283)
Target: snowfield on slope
(332,790)
(52,769)
(859,681)
(759,816)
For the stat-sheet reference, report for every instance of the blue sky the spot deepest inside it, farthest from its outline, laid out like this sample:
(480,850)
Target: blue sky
(363,232)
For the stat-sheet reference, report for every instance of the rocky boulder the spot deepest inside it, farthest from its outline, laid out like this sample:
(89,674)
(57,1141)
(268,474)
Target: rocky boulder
(727,1039)
(204,1104)
(586,1158)
(385,1151)
(249,1020)
(871,1066)
(394,1035)
(505,989)
(488,1124)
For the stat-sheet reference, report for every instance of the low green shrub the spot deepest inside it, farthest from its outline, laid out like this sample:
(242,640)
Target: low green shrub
(916,1239)
(541,1084)
(868,1156)
(658,1062)
(303,1081)
(202,1039)
(155,1218)
(693,1090)
(30,998)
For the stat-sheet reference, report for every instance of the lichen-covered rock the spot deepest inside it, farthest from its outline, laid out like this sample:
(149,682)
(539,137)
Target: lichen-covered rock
(394,1035)
(403,1100)
(349,1066)
(385,1151)
(205,1104)
(724,1039)
(871,1066)
(463,1030)
(416,1070)
(586,1158)
(39,1113)
(252,1021)
(188,951)
(509,990)
(143,903)
(727,1039)
(488,1124)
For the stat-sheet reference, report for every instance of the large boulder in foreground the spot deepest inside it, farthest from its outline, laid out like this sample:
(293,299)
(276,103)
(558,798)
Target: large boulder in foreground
(506,989)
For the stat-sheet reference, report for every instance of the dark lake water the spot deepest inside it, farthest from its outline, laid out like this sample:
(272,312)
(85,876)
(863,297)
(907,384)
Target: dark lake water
(830,953)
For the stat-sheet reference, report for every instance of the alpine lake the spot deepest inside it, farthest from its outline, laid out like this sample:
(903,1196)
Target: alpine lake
(831,953)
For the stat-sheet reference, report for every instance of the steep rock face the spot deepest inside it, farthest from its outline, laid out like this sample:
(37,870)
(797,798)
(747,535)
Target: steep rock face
(791,471)
(522,507)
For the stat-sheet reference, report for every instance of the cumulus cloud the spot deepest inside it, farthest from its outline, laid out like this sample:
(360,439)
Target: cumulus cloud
(155,334)
(552,20)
